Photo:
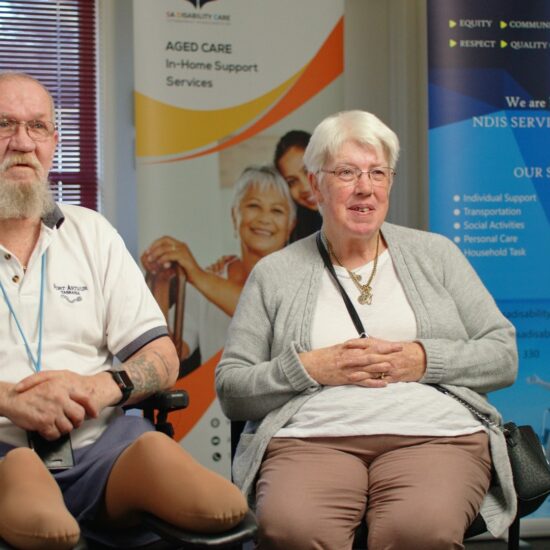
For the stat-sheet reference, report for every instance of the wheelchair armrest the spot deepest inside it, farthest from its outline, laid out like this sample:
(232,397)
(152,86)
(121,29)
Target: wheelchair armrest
(163,403)
(242,532)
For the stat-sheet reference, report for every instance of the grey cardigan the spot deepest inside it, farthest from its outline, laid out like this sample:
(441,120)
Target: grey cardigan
(470,346)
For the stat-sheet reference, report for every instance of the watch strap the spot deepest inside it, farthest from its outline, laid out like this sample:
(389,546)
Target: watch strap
(123,381)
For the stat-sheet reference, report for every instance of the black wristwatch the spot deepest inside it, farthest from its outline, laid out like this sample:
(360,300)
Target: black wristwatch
(124,383)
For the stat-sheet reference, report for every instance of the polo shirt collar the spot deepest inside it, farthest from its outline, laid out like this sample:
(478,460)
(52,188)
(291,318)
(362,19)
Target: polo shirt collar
(54,218)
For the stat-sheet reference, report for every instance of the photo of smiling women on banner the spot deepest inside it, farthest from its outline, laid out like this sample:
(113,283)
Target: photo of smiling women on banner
(263,216)
(288,160)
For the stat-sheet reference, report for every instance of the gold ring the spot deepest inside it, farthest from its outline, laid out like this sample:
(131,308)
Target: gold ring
(382,375)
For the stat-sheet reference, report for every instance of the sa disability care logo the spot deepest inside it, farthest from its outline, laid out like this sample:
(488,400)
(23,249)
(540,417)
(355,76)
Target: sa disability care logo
(197,14)
(199,3)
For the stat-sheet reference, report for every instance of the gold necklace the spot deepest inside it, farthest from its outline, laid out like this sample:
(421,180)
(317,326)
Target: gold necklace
(365,296)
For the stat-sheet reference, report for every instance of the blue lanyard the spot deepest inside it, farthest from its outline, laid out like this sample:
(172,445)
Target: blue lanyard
(37,363)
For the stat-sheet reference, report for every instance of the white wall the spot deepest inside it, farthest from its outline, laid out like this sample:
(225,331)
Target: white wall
(118,173)
(386,73)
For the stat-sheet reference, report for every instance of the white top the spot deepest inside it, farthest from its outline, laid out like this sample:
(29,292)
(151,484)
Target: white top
(96,306)
(403,408)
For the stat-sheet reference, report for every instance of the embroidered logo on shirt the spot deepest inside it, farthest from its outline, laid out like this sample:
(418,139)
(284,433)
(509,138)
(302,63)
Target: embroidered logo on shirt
(71,293)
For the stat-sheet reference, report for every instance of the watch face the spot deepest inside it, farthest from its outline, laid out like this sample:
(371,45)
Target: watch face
(125,379)
(124,383)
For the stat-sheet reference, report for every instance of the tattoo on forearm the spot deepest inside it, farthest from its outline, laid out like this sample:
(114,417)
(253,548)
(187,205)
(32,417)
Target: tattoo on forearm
(145,374)
(164,364)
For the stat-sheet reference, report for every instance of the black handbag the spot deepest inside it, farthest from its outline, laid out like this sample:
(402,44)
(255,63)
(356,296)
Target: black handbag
(529,464)
(530,468)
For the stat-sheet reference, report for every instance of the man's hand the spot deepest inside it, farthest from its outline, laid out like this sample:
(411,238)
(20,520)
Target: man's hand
(53,402)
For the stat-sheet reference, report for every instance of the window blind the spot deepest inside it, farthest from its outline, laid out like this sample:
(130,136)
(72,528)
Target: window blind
(55,42)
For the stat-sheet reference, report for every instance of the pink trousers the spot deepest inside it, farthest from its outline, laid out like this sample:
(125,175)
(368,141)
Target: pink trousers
(416,493)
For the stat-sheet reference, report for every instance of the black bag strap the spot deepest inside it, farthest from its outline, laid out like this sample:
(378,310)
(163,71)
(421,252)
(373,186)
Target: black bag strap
(483,418)
(351,310)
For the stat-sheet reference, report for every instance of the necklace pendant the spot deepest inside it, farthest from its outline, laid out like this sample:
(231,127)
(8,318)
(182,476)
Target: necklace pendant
(365,297)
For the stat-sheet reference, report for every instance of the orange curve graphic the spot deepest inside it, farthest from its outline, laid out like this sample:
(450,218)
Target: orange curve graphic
(162,129)
(325,67)
(199,384)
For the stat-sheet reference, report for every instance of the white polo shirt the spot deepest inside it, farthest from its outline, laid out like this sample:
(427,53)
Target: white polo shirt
(96,306)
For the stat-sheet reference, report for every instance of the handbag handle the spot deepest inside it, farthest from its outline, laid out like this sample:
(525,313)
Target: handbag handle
(483,418)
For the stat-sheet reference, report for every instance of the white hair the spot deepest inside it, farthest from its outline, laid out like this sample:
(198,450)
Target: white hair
(262,177)
(358,127)
(15,75)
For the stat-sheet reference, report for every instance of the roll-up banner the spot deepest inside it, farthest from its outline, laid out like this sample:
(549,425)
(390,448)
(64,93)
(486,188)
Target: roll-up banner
(217,85)
(489,161)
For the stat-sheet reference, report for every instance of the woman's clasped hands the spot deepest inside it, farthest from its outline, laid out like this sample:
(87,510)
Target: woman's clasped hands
(370,362)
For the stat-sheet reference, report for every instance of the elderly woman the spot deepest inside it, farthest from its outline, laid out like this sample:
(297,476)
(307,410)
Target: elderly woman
(342,427)
(263,216)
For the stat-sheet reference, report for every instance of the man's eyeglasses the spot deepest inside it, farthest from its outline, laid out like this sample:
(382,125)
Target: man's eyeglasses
(37,130)
(350,175)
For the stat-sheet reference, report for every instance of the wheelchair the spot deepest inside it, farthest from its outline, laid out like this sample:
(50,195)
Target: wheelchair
(156,409)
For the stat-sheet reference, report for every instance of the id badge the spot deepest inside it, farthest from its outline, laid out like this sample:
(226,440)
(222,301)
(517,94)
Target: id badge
(56,455)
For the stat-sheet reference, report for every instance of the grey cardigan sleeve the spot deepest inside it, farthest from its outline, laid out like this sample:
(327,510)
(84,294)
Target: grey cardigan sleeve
(256,376)
(468,341)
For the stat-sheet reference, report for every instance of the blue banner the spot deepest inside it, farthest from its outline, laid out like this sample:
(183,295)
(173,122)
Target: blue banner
(489,161)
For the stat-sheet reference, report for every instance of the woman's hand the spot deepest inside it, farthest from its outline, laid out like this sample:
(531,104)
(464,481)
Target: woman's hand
(367,362)
(361,361)
(166,250)
(407,364)
(218,266)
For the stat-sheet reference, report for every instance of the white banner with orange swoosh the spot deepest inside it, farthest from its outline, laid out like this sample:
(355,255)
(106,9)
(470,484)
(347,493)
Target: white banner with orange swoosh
(218,84)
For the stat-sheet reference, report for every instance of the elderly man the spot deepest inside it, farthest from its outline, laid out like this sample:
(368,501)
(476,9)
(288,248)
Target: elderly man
(72,298)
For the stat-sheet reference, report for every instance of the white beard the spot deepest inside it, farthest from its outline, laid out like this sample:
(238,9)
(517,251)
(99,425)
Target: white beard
(27,199)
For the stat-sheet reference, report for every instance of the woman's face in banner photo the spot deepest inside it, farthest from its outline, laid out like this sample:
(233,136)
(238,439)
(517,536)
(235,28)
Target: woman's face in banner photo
(263,220)
(291,167)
